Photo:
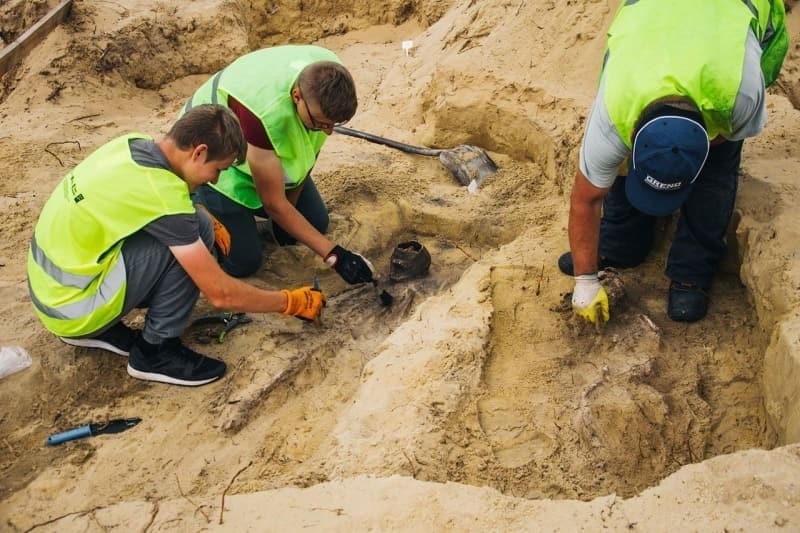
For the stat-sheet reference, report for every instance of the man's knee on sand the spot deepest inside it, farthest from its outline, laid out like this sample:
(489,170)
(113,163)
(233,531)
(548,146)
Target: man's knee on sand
(243,265)
(245,260)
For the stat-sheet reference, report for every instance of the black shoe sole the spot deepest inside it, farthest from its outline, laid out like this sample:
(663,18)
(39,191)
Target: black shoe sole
(675,316)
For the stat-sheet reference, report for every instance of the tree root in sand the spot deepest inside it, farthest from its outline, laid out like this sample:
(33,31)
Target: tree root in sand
(241,408)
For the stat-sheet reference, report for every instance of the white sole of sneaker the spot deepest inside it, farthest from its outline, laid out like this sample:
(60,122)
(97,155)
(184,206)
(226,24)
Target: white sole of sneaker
(161,378)
(94,343)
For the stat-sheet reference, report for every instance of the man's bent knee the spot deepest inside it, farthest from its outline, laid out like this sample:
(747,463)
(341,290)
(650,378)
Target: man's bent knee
(242,267)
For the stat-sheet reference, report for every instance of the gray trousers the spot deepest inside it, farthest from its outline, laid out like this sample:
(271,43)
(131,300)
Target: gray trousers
(157,281)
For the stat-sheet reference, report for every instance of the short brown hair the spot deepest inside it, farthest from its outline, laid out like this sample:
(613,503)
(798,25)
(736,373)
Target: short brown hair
(215,126)
(330,84)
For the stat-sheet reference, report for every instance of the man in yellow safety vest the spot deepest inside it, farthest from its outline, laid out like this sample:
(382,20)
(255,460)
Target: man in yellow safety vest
(121,232)
(683,84)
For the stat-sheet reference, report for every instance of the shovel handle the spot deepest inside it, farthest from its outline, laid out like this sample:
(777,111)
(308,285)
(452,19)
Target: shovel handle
(386,142)
(72,434)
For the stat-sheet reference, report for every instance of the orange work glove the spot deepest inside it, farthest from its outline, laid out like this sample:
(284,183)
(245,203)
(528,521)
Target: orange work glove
(305,303)
(222,238)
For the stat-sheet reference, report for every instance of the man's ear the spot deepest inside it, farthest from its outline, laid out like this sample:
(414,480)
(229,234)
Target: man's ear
(296,95)
(200,150)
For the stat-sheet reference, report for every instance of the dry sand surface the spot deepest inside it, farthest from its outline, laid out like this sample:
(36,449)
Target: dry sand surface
(475,402)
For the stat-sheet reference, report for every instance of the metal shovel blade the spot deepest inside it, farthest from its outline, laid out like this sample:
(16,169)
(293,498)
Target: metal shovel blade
(468,163)
(465,162)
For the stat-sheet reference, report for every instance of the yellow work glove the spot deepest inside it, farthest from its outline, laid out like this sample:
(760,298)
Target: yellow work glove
(590,300)
(305,303)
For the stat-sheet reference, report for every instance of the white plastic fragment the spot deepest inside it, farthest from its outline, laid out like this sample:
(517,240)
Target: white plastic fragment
(13,359)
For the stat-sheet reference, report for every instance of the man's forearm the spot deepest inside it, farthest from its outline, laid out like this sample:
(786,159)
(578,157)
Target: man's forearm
(584,234)
(583,240)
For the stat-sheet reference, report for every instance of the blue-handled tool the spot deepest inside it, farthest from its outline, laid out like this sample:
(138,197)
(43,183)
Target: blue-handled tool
(112,426)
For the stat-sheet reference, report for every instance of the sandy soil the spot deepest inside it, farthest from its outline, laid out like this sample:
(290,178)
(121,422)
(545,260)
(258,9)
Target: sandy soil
(475,402)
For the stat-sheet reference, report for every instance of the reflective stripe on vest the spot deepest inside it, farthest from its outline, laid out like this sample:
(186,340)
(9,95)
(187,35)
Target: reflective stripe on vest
(769,26)
(768,30)
(63,278)
(214,96)
(107,290)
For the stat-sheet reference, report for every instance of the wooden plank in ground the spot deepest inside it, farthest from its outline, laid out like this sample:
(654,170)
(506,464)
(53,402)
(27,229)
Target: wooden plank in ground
(14,52)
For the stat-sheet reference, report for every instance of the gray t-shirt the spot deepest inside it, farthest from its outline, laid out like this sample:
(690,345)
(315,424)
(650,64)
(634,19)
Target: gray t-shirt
(170,230)
(602,151)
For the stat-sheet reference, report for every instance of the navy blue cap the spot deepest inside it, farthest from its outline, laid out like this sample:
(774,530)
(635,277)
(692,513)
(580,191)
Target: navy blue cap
(668,154)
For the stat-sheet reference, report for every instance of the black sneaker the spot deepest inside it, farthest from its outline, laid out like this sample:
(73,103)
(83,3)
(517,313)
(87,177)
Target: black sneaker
(119,339)
(172,362)
(687,303)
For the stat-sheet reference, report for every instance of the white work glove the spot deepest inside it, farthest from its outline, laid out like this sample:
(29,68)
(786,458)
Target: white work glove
(590,300)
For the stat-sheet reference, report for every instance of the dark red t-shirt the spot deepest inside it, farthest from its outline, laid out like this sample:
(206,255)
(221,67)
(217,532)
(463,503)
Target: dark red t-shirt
(254,132)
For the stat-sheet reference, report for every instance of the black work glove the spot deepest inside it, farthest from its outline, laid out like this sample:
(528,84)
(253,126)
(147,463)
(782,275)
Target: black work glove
(351,266)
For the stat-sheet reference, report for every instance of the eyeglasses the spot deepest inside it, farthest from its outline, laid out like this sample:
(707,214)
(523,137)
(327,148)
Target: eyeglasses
(318,126)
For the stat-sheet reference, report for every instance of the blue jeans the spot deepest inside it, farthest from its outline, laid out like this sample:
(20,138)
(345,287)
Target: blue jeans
(626,234)
(244,258)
